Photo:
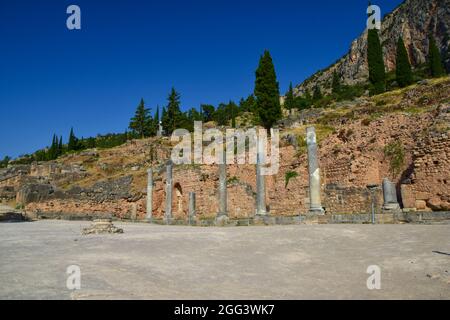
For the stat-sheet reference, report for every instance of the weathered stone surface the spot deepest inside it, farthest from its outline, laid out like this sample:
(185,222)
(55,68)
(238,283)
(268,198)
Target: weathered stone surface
(34,193)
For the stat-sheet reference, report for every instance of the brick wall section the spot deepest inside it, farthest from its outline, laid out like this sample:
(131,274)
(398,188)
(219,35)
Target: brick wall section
(429,184)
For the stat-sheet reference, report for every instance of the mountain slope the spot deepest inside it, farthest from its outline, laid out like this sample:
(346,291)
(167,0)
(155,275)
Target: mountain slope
(414,20)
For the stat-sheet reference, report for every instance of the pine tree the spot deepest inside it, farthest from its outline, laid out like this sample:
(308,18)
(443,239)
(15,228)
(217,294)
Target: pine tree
(289,102)
(403,70)
(434,59)
(140,122)
(73,141)
(174,115)
(267,92)
(377,73)
(336,84)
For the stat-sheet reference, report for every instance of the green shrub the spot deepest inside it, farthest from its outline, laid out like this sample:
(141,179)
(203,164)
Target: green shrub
(290,175)
(395,152)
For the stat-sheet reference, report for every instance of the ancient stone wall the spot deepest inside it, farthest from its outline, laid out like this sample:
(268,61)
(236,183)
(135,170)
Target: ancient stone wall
(429,185)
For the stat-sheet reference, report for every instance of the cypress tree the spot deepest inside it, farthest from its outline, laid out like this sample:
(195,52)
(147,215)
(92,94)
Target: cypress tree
(174,115)
(53,150)
(156,119)
(140,122)
(377,73)
(289,102)
(317,94)
(60,146)
(73,141)
(435,59)
(336,84)
(165,120)
(267,92)
(403,69)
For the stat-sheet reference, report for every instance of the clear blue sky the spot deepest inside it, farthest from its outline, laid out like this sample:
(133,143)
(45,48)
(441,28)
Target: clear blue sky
(52,79)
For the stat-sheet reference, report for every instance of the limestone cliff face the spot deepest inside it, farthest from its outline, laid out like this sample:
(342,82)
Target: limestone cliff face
(413,20)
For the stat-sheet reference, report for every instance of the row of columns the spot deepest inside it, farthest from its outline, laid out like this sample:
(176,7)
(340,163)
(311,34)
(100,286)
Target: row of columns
(315,204)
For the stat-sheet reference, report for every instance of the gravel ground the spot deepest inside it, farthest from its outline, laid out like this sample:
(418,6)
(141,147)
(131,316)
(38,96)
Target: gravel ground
(277,262)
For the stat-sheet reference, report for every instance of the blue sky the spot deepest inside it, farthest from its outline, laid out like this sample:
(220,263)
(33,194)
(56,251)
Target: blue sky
(52,78)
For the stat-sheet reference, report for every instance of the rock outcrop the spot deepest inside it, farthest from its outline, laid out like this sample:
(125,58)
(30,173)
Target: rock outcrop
(414,20)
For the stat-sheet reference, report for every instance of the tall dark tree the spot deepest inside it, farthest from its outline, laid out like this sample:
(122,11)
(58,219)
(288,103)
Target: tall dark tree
(60,146)
(435,59)
(267,92)
(289,102)
(403,70)
(174,115)
(336,83)
(156,119)
(377,72)
(317,94)
(73,142)
(52,152)
(165,121)
(141,120)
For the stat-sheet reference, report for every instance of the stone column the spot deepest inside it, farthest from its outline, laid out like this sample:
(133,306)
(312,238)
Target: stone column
(223,210)
(159,133)
(260,181)
(192,212)
(133,214)
(390,195)
(169,189)
(315,204)
(149,195)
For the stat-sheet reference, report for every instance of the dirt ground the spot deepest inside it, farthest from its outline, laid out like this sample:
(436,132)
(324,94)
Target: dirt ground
(278,262)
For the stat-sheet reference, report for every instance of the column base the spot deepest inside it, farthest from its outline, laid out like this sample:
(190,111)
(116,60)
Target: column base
(316,211)
(264,219)
(168,220)
(222,220)
(391,206)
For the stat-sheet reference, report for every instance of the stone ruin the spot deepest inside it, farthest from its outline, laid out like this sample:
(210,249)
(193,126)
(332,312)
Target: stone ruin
(102,226)
(262,212)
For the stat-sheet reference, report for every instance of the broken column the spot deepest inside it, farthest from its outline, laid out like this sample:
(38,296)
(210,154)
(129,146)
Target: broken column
(149,195)
(390,195)
(192,212)
(169,189)
(315,204)
(261,209)
(222,215)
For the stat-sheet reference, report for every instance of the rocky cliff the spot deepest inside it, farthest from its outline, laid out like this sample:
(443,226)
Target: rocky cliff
(414,20)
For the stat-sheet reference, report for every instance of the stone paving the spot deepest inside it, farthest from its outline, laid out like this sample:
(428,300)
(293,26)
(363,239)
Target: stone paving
(276,262)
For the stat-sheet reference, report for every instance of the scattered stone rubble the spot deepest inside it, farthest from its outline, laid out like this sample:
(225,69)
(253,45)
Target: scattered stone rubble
(102,226)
